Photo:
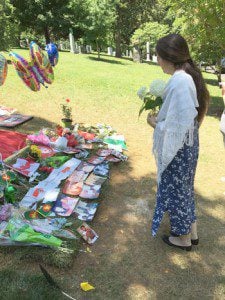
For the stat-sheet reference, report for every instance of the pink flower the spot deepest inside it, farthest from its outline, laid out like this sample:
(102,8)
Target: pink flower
(67,100)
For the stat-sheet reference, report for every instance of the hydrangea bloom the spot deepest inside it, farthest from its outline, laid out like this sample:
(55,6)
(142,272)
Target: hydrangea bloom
(157,88)
(142,92)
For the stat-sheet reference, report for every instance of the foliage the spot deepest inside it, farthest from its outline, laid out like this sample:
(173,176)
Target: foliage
(149,32)
(99,24)
(132,14)
(67,110)
(8,27)
(50,18)
(202,24)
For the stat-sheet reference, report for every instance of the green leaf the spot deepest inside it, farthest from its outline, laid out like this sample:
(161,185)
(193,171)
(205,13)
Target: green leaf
(141,109)
(151,104)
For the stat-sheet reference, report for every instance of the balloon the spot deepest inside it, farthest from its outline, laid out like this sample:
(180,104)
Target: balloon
(3,69)
(24,71)
(41,62)
(53,53)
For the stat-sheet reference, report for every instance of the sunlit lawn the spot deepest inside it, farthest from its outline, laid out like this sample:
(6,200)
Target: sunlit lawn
(105,92)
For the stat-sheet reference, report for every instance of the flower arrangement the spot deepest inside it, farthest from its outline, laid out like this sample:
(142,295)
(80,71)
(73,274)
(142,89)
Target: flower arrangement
(66,110)
(35,152)
(152,98)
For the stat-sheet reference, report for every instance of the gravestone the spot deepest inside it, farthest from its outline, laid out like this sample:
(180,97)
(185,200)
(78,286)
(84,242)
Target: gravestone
(154,58)
(72,44)
(147,51)
(110,51)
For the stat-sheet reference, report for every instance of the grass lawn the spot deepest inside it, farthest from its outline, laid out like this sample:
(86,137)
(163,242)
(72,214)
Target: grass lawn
(126,262)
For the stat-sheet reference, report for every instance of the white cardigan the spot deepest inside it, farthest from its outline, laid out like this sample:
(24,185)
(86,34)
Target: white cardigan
(175,121)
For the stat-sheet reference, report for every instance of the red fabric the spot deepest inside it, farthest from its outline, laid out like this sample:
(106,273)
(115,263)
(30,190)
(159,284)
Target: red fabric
(10,142)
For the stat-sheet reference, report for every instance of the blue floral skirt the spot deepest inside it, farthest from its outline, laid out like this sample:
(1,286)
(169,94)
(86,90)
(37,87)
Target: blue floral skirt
(175,193)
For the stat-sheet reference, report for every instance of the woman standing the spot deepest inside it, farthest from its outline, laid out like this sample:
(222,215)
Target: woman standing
(176,145)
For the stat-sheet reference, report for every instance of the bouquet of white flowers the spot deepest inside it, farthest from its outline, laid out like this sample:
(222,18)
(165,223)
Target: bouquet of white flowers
(152,99)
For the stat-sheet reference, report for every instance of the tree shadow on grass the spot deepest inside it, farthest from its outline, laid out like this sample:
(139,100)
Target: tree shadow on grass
(127,263)
(216,107)
(210,81)
(33,125)
(110,61)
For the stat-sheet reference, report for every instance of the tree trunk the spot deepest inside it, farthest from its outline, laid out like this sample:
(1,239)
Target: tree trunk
(98,49)
(47,35)
(118,43)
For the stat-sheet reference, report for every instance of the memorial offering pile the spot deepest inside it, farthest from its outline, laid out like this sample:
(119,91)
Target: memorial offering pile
(51,189)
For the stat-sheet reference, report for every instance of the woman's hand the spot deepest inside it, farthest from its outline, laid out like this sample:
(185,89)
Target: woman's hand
(151,120)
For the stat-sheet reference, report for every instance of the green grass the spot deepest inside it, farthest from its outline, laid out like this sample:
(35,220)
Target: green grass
(126,263)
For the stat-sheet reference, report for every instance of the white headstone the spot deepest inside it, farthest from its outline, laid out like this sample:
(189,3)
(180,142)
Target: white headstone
(79,49)
(114,53)
(154,58)
(148,51)
(130,54)
(87,48)
(90,49)
(127,53)
(72,44)
(110,51)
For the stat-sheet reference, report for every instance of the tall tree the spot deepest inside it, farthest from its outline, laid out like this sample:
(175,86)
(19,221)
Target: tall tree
(99,24)
(47,16)
(8,28)
(202,24)
(130,15)
(149,32)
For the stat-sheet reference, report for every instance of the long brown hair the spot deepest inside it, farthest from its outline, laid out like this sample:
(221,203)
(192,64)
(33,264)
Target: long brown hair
(174,48)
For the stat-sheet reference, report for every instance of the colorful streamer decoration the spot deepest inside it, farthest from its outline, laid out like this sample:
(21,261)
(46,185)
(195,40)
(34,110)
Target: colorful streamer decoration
(3,69)
(41,62)
(37,71)
(24,71)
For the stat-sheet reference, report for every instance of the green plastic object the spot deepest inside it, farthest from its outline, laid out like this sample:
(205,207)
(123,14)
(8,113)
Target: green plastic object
(10,194)
(56,161)
(21,232)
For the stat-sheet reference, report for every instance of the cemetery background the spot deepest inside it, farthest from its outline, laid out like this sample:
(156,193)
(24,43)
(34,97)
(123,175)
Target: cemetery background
(126,262)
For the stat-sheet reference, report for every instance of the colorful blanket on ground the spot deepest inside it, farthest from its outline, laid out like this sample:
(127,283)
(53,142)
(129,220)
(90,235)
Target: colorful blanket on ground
(11,142)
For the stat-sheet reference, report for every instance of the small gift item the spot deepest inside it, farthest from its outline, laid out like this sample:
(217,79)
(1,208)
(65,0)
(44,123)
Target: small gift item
(90,191)
(46,151)
(46,209)
(77,176)
(95,179)
(112,158)
(32,215)
(71,188)
(5,212)
(86,167)
(10,194)
(86,135)
(82,154)
(104,152)
(65,205)
(87,233)
(102,169)
(85,211)
(25,167)
(95,160)
(119,155)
